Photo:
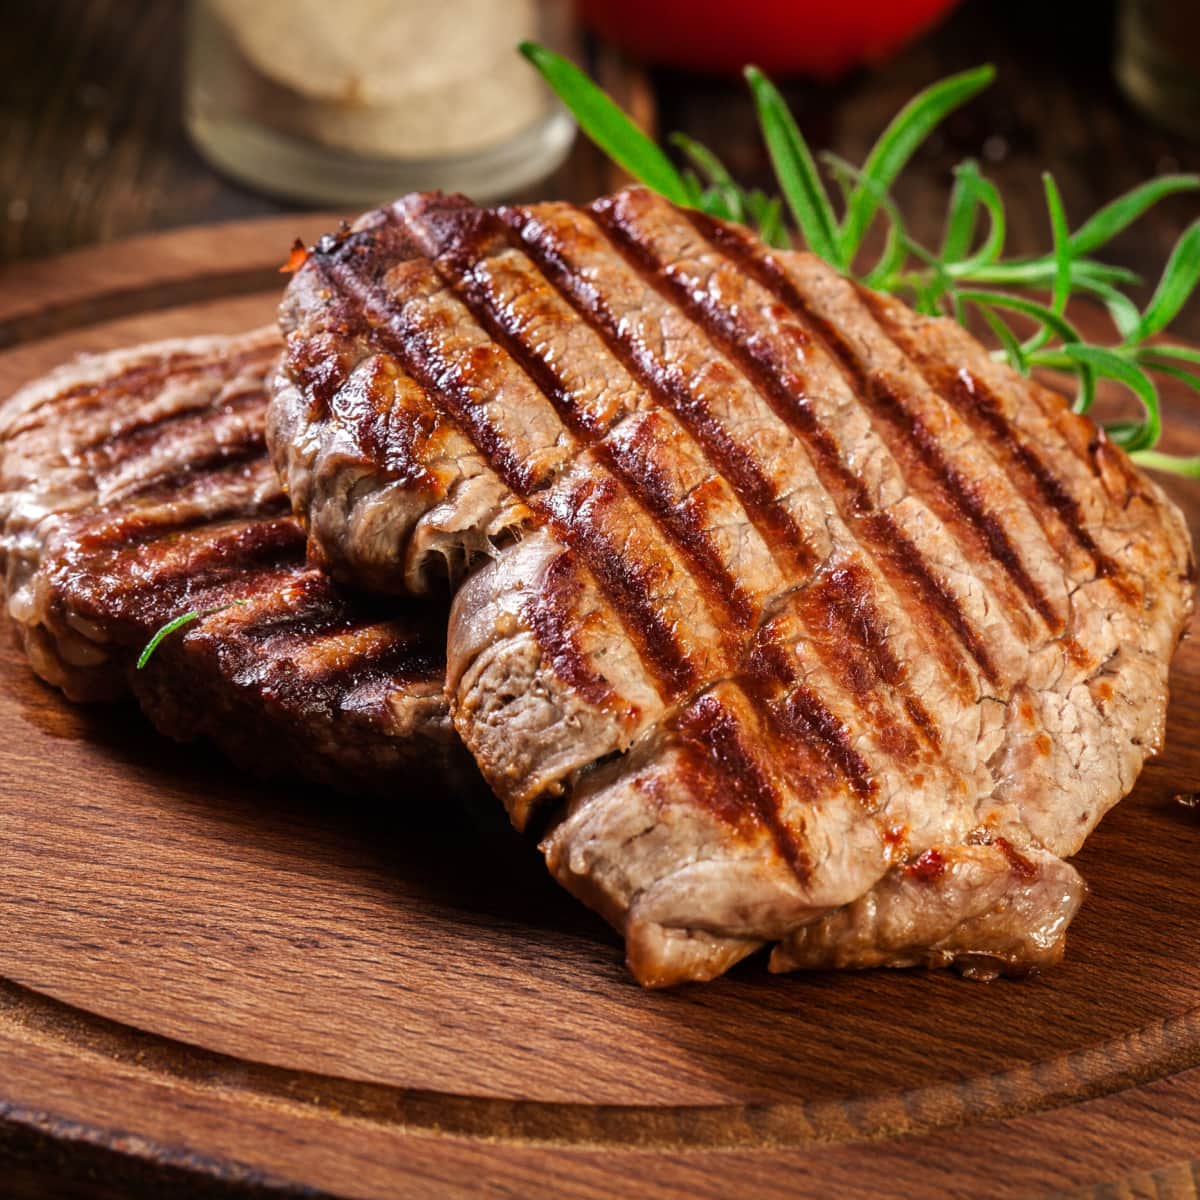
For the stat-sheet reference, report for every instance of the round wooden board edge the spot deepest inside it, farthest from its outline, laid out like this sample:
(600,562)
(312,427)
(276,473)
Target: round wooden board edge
(34,1020)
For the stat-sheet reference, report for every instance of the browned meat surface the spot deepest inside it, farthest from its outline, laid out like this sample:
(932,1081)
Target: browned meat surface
(134,487)
(789,615)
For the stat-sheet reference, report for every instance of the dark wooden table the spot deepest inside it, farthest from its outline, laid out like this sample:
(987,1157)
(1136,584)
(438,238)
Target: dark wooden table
(93,146)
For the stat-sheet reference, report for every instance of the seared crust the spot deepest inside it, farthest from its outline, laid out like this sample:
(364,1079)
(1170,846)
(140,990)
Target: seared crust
(135,486)
(789,586)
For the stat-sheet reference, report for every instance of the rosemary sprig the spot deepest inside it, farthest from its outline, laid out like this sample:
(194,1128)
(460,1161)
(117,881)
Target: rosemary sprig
(968,275)
(175,623)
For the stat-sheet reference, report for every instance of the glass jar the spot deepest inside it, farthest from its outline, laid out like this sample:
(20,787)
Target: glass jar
(359,101)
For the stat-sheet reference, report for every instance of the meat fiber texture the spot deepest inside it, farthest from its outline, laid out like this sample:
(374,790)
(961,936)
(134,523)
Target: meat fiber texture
(135,487)
(788,616)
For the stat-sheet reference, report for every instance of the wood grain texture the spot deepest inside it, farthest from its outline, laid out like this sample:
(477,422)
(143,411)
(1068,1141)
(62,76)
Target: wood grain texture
(255,986)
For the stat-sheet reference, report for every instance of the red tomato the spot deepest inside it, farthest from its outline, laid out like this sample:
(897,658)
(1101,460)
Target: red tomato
(813,37)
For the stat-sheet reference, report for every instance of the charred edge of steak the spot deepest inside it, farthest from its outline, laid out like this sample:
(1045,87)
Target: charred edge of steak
(137,488)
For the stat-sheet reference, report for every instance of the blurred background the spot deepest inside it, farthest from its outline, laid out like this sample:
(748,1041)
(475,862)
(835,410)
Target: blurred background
(99,96)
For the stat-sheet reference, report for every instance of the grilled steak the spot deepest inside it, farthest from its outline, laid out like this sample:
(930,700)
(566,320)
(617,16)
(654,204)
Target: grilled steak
(135,486)
(793,616)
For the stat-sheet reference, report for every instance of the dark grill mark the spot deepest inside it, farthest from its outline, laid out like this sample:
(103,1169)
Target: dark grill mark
(632,462)
(964,500)
(107,579)
(716,729)
(843,601)
(139,380)
(890,543)
(551,617)
(143,435)
(971,397)
(800,713)
(396,658)
(174,477)
(785,540)
(974,399)
(962,493)
(369,417)
(421,356)
(123,527)
(631,585)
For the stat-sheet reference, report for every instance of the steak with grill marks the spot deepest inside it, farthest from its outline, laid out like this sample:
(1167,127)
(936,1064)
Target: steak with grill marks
(135,486)
(789,615)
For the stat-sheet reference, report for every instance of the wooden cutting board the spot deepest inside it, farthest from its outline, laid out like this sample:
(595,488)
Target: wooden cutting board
(237,987)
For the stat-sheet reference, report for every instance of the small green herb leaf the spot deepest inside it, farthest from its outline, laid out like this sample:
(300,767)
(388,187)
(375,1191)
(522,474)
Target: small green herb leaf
(962,216)
(1178,281)
(1060,235)
(1013,349)
(1169,351)
(727,198)
(165,631)
(899,142)
(604,122)
(1062,247)
(1103,226)
(1175,464)
(1187,378)
(795,169)
(1059,325)
(767,212)
(1108,364)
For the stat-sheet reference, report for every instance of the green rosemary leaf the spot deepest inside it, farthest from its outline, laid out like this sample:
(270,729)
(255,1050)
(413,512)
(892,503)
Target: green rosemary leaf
(165,631)
(936,285)
(767,213)
(604,122)
(899,245)
(1122,212)
(1060,236)
(1187,378)
(703,159)
(1062,247)
(1121,309)
(963,274)
(1104,272)
(1108,364)
(1167,350)
(895,253)
(717,203)
(1178,281)
(962,213)
(795,169)
(721,183)
(897,144)
(1123,433)
(1036,272)
(693,187)
(1174,464)
(988,194)
(1085,392)
(1008,340)
(1059,325)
